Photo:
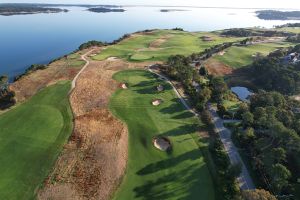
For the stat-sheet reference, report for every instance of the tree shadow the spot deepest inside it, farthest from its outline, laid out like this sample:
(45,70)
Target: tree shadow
(182,130)
(173,108)
(184,115)
(171,162)
(145,87)
(181,184)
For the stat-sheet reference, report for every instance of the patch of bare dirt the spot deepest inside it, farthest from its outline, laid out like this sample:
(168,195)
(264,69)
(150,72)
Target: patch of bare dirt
(94,160)
(217,68)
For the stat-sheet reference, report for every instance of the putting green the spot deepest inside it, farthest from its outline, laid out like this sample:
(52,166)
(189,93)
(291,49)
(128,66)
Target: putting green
(32,136)
(153,174)
(140,47)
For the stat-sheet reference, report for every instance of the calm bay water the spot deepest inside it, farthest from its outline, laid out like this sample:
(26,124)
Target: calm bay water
(32,39)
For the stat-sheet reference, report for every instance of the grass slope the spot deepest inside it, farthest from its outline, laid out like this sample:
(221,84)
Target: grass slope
(290,29)
(32,135)
(237,57)
(152,174)
(140,46)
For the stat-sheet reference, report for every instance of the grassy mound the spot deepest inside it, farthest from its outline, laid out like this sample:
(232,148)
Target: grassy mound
(152,174)
(32,136)
(138,47)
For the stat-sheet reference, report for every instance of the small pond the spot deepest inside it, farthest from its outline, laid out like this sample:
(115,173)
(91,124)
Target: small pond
(242,92)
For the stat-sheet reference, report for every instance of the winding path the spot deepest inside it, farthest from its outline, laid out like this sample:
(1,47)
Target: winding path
(82,69)
(244,179)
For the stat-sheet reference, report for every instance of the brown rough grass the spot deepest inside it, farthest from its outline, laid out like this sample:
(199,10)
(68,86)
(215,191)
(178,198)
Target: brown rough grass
(94,160)
(217,68)
(30,84)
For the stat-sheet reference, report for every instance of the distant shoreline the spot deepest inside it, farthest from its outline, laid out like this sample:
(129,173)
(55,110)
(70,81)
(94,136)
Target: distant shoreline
(154,6)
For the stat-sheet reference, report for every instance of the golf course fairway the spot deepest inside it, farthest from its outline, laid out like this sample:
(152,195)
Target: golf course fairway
(32,136)
(152,174)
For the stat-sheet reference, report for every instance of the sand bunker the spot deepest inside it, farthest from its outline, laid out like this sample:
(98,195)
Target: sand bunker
(160,88)
(156,102)
(206,38)
(162,143)
(124,86)
(112,59)
(221,53)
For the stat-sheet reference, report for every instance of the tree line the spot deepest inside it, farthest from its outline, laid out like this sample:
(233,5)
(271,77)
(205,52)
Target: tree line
(6,95)
(270,134)
(272,73)
(178,68)
(243,32)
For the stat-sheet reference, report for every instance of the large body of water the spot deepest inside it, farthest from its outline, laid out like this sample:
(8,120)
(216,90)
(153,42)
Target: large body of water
(39,38)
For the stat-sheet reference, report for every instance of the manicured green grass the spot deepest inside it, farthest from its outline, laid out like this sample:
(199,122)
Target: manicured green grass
(290,29)
(237,57)
(31,138)
(176,42)
(152,174)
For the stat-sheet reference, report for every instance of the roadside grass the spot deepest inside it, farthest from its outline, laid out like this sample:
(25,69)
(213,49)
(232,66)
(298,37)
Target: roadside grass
(138,48)
(180,173)
(31,138)
(237,57)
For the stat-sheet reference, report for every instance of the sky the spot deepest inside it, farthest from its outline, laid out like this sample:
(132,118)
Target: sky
(215,3)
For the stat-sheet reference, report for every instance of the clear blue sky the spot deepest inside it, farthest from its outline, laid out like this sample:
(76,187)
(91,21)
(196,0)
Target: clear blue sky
(221,3)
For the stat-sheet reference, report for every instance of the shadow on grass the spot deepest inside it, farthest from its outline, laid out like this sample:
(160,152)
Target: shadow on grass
(169,163)
(184,115)
(181,184)
(182,130)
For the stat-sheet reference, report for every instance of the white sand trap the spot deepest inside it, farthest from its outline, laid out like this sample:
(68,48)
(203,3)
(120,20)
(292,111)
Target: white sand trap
(124,86)
(297,98)
(112,59)
(222,53)
(162,143)
(160,88)
(156,102)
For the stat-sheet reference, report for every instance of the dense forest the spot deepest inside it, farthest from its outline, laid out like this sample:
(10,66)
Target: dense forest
(270,135)
(288,25)
(244,32)
(277,72)
(294,39)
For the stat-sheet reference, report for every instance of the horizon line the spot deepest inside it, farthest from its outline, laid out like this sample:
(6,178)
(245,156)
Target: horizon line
(155,6)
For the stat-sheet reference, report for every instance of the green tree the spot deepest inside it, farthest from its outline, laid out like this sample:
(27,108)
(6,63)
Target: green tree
(278,155)
(235,170)
(248,119)
(203,71)
(3,83)
(279,177)
(219,87)
(260,116)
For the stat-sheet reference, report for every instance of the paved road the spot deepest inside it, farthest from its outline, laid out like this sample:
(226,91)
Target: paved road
(83,57)
(244,179)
